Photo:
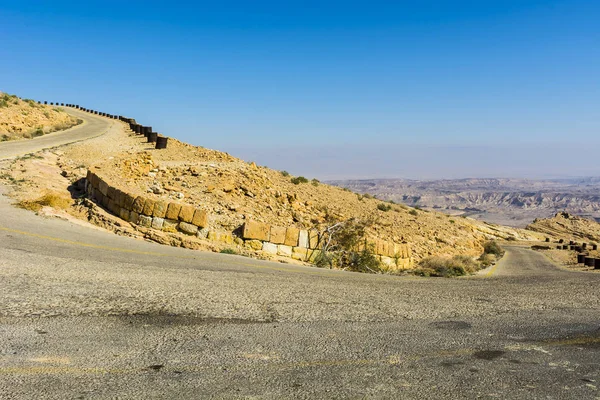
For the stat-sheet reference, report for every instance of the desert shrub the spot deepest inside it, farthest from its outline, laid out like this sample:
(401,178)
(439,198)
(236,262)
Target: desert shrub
(46,114)
(413,212)
(298,180)
(451,221)
(486,260)
(345,248)
(368,196)
(37,132)
(3,103)
(315,182)
(50,199)
(447,267)
(4,138)
(384,207)
(285,173)
(228,251)
(417,208)
(492,247)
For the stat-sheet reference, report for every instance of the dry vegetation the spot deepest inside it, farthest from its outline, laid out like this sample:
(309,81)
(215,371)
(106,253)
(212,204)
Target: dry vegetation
(26,119)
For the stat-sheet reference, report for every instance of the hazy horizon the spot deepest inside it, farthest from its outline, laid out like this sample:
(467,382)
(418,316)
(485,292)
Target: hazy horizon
(422,90)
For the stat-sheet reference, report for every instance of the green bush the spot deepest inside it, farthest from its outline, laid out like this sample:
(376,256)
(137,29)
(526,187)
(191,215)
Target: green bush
(37,132)
(384,207)
(298,180)
(3,103)
(285,173)
(492,247)
(315,182)
(228,251)
(413,212)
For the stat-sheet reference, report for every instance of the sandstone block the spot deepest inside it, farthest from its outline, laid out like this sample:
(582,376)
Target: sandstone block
(134,217)
(145,221)
(253,244)
(270,248)
(173,211)
(299,253)
(148,207)
(138,205)
(278,235)
(114,207)
(128,201)
(170,225)
(313,239)
(157,223)
(186,214)
(187,228)
(256,230)
(95,181)
(105,202)
(291,236)
(284,250)
(110,192)
(103,187)
(303,239)
(160,209)
(200,218)
(124,215)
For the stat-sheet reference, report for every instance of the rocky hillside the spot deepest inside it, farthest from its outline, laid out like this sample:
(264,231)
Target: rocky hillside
(234,191)
(567,226)
(514,202)
(27,119)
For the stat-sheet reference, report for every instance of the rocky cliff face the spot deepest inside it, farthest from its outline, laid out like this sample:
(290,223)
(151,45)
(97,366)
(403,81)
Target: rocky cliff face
(511,201)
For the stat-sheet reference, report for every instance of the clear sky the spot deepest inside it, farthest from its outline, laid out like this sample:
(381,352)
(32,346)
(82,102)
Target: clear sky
(331,89)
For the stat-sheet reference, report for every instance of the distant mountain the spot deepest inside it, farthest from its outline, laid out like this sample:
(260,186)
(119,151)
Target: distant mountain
(514,202)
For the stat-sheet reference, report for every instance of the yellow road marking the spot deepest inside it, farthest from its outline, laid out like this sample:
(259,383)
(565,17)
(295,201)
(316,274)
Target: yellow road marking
(492,270)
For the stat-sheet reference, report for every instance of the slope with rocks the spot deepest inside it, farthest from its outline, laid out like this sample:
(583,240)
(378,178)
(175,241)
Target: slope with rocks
(567,226)
(25,119)
(233,191)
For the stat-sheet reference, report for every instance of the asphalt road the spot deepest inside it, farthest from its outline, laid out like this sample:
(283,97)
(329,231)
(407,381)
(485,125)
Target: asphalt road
(87,314)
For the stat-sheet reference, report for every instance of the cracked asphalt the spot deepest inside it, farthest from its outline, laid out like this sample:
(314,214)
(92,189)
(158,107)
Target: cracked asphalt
(86,314)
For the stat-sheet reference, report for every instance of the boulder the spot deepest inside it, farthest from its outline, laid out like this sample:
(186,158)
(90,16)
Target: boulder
(173,211)
(303,239)
(256,230)
(284,250)
(291,236)
(145,221)
(187,228)
(186,214)
(278,235)
(157,223)
(253,244)
(200,218)
(138,205)
(269,248)
(148,207)
(160,209)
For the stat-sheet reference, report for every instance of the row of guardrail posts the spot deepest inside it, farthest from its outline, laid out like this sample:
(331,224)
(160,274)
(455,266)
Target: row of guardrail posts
(583,249)
(151,136)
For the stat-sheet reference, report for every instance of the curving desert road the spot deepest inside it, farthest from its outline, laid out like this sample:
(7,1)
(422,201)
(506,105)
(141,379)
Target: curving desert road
(87,314)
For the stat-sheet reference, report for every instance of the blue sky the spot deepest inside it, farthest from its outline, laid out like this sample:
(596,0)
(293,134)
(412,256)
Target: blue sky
(419,89)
